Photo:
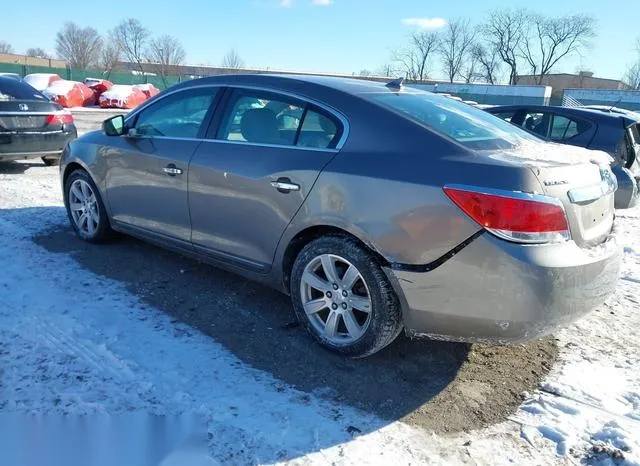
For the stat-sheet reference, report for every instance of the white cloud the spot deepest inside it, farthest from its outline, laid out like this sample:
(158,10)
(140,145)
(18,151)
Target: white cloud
(286,3)
(426,23)
(322,2)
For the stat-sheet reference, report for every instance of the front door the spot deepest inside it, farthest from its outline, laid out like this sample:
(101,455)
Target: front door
(247,183)
(148,170)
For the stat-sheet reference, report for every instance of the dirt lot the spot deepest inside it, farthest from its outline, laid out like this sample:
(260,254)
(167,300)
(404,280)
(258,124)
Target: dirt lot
(443,387)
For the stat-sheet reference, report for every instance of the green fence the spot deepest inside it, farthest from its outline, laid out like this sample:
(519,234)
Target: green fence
(73,74)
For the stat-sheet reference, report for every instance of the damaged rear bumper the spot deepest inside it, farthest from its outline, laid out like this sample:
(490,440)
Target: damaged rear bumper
(495,291)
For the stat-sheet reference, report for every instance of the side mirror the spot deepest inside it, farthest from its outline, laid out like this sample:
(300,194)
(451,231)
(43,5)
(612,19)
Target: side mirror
(114,126)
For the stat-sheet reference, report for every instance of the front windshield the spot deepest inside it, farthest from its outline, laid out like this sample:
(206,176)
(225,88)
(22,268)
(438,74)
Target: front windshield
(464,123)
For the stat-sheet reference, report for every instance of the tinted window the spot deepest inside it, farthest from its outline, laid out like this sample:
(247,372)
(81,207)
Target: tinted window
(564,128)
(178,115)
(318,131)
(468,125)
(12,89)
(537,123)
(506,116)
(266,118)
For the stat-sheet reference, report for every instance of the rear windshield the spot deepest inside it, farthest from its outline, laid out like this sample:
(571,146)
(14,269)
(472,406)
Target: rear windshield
(466,124)
(12,89)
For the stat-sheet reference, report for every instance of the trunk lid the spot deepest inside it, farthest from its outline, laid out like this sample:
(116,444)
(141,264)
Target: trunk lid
(26,115)
(581,179)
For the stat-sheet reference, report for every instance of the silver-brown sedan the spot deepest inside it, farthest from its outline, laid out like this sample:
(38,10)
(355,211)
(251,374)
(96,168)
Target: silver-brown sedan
(376,207)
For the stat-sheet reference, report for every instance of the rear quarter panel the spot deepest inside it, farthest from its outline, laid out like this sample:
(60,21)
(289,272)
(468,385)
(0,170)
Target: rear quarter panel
(385,187)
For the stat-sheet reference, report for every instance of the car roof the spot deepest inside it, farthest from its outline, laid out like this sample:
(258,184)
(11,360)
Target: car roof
(348,85)
(590,113)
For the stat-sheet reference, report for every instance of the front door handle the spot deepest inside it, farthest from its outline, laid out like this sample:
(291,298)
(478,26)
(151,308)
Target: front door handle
(284,185)
(172,170)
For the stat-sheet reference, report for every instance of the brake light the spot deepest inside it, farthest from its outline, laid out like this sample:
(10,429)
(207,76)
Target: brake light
(519,217)
(60,118)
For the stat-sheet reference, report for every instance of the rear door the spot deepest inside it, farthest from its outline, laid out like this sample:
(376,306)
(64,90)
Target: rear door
(246,183)
(147,169)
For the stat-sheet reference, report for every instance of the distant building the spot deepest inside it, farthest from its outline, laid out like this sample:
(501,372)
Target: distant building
(15,59)
(583,80)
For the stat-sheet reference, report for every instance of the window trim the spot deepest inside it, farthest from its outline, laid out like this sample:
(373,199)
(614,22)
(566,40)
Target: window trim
(212,121)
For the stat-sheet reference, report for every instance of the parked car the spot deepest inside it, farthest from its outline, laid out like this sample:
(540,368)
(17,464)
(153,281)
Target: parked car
(383,209)
(615,133)
(11,75)
(70,93)
(30,125)
(40,81)
(121,96)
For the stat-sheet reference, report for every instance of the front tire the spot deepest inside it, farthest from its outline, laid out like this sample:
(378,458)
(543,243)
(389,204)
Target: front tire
(343,298)
(85,208)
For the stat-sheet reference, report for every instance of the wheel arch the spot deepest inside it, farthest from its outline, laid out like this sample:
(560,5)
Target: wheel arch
(310,233)
(70,168)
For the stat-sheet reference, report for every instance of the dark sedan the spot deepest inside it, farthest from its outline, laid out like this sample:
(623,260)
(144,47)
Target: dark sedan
(618,134)
(30,125)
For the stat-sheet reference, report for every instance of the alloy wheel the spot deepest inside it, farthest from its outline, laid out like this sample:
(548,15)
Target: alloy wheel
(84,207)
(336,299)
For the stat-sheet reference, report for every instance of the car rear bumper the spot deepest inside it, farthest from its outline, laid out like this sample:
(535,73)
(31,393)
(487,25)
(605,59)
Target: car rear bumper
(499,292)
(14,146)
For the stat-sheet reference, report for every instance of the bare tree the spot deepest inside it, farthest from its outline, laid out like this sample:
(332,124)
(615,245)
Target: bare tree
(470,70)
(505,32)
(232,60)
(5,47)
(37,52)
(166,54)
(487,61)
(131,37)
(632,77)
(414,61)
(386,70)
(110,56)
(455,46)
(79,47)
(553,38)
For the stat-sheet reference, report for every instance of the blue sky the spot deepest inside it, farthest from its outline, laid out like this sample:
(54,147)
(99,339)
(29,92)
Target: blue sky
(342,36)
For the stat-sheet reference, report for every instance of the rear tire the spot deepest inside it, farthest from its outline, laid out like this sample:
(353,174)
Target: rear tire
(85,208)
(51,161)
(352,309)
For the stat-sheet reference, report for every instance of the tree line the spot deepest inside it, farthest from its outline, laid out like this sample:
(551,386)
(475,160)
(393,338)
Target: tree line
(85,48)
(506,43)
(633,73)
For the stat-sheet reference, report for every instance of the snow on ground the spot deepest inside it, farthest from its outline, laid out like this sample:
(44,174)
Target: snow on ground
(73,342)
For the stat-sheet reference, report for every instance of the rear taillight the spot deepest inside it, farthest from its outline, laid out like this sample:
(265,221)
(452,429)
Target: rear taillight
(60,118)
(520,217)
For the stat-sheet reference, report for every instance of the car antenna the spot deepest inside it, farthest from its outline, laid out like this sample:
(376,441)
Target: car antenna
(395,84)
(614,105)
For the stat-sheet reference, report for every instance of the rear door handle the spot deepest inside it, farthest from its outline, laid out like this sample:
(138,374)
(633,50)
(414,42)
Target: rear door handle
(172,170)
(284,185)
